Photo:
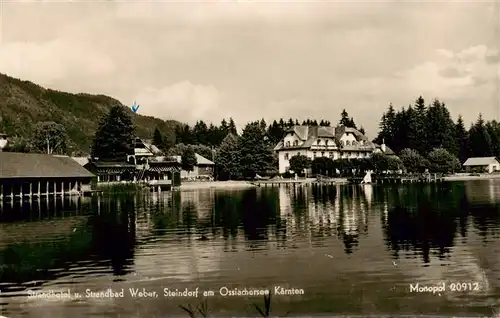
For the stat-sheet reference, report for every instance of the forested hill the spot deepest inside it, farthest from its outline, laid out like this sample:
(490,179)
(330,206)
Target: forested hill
(23,104)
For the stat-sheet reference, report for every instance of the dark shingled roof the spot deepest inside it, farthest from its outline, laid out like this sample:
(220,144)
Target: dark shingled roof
(309,134)
(29,165)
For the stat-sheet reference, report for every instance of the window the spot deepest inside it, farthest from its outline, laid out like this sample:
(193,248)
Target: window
(347,143)
(322,154)
(288,143)
(319,141)
(331,155)
(326,142)
(286,156)
(314,154)
(296,143)
(342,142)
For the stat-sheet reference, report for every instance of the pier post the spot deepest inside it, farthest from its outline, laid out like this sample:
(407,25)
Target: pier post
(62,188)
(55,188)
(1,192)
(31,189)
(47,189)
(22,186)
(70,188)
(39,186)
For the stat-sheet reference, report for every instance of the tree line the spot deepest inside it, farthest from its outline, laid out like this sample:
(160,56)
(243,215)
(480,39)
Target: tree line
(438,160)
(424,128)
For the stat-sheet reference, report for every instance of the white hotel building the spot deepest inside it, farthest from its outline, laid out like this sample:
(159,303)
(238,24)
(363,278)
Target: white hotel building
(319,141)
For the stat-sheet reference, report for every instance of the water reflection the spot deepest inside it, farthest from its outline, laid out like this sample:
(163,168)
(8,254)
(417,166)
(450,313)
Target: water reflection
(326,232)
(59,234)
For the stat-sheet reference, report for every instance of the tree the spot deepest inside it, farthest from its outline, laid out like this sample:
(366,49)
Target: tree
(441,160)
(462,140)
(275,132)
(421,126)
(232,127)
(255,151)
(158,139)
(50,137)
(114,138)
(299,163)
(18,144)
(413,161)
(322,165)
(440,128)
(200,132)
(480,139)
(188,159)
(380,162)
(263,124)
(227,159)
(345,120)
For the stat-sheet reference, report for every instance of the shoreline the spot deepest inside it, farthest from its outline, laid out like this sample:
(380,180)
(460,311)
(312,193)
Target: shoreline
(232,185)
(467,177)
(244,184)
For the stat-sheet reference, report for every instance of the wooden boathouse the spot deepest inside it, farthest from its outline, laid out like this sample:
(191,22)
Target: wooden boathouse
(34,175)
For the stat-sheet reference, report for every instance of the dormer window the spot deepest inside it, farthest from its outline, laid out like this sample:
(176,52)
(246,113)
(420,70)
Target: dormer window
(296,143)
(326,142)
(347,143)
(319,141)
(288,143)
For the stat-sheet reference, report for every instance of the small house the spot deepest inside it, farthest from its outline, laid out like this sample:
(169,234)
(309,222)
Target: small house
(111,171)
(483,164)
(204,168)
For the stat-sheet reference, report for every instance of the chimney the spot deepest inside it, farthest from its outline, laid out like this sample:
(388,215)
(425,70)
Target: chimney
(382,146)
(3,141)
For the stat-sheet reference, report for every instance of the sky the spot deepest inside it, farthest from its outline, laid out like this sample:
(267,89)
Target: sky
(209,60)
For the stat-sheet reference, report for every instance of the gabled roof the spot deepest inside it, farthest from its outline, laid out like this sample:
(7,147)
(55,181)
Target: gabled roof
(302,131)
(142,148)
(81,160)
(480,161)
(200,160)
(30,165)
(309,134)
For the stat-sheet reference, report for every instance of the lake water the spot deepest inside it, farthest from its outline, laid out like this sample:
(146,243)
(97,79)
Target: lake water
(344,250)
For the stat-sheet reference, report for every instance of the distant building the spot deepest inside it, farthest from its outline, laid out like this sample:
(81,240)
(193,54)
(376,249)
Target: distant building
(487,164)
(204,168)
(29,174)
(320,141)
(145,164)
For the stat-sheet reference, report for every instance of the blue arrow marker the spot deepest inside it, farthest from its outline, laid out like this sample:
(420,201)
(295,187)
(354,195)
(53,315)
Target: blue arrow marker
(135,107)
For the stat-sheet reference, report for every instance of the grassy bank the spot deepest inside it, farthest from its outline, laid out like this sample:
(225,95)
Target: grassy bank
(119,187)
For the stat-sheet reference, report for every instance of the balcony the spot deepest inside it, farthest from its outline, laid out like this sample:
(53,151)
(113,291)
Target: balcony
(324,147)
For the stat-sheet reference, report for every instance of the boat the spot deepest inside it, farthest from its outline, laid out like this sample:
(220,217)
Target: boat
(367,179)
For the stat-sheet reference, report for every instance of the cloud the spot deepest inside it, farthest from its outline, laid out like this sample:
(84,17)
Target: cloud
(55,60)
(183,101)
(464,79)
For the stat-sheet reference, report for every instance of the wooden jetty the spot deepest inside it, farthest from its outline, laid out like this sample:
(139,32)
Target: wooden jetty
(387,179)
(297,182)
